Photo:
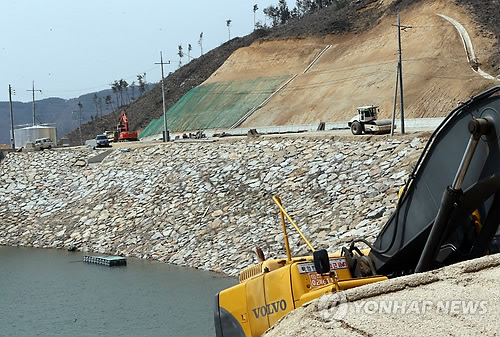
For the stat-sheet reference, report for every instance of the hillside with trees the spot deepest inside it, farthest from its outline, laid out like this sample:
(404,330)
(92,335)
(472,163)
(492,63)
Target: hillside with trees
(307,19)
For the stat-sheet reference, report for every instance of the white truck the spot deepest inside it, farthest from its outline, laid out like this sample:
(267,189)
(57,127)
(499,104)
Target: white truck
(43,143)
(366,121)
(110,135)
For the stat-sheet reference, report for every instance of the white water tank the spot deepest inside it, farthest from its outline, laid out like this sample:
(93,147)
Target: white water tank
(31,133)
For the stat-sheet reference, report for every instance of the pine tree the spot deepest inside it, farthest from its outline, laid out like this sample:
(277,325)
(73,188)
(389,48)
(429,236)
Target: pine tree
(200,42)
(181,55)
(228,23)
(255,9)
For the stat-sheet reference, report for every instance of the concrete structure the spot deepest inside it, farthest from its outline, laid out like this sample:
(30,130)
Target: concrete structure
(29,134)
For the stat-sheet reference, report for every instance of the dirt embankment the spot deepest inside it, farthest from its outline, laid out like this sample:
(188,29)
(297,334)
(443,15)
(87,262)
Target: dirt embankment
(360,69)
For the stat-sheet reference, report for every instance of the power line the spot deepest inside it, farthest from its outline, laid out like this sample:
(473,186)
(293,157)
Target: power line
(98,87)
(348,68)
(320,84)
(458,78)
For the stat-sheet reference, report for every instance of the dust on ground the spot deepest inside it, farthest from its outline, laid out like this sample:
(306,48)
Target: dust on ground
(458,300)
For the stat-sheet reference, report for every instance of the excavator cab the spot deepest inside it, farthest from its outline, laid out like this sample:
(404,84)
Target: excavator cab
(271,288)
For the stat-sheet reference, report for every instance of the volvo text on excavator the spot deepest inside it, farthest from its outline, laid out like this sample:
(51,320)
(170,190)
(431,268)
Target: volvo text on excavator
(448,211)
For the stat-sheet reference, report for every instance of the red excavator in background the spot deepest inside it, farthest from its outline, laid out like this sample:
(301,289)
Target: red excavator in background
(122,130)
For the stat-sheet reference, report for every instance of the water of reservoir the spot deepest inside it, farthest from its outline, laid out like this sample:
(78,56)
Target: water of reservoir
(53,293)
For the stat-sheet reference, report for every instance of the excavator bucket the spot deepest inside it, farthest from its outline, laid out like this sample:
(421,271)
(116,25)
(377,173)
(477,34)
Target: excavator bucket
(450,208)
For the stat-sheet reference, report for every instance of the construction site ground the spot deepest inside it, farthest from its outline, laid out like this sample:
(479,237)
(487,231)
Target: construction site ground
(344,134)
(459,300)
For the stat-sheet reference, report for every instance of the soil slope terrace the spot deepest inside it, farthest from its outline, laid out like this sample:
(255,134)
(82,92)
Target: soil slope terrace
(247,79)
(360,69)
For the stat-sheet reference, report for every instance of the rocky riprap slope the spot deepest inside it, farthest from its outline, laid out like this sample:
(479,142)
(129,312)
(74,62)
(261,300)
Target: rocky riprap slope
(204,205)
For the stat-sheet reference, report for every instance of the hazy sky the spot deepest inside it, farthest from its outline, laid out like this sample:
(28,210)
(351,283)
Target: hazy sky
(70,48)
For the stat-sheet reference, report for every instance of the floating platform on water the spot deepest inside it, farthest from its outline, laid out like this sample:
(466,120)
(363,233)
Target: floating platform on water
(106,260)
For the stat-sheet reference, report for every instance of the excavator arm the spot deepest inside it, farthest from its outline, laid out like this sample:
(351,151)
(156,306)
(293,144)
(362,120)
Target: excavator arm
(123,123)
(123,131)
(458,174)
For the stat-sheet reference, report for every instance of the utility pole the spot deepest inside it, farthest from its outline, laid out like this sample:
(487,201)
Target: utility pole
(166,135)
(33,91)
(12,141)
(80,106)
(395,101)
(400,68)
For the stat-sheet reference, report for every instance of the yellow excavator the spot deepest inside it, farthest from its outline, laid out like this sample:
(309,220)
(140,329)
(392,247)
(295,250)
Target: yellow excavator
(448,211)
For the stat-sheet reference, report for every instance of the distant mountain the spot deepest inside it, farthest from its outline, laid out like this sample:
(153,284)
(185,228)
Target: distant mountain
(61,113)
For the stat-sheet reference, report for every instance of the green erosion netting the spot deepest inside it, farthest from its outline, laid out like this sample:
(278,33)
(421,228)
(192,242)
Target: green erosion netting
(215,105)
